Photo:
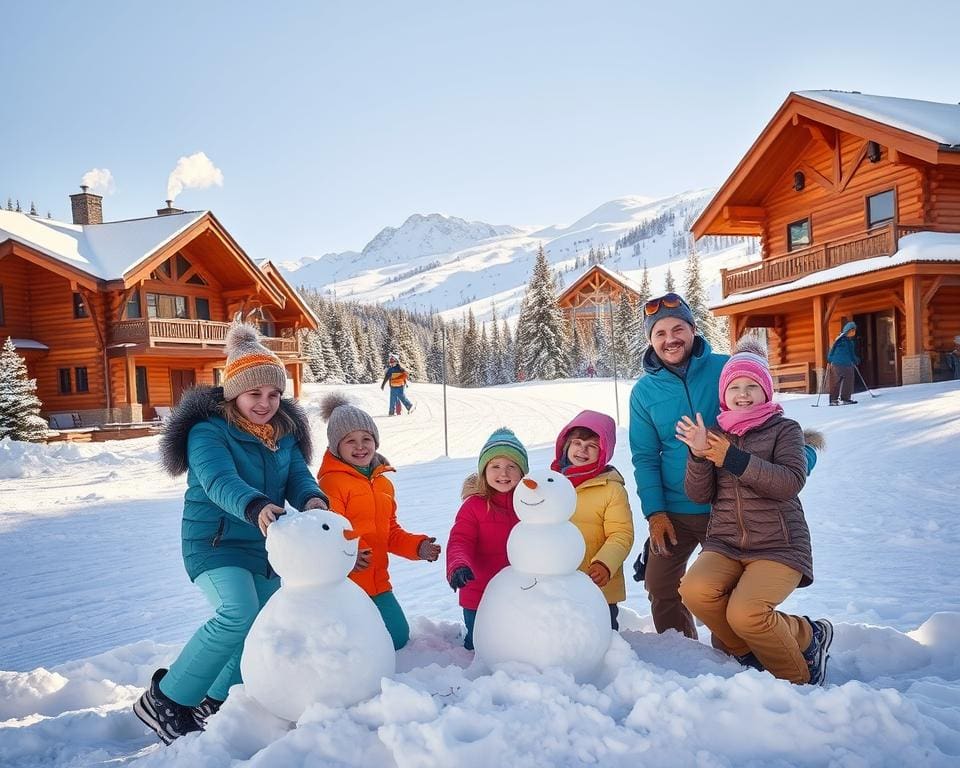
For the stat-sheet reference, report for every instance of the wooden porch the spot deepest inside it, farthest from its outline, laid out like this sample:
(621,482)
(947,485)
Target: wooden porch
(167,332)
(776,270)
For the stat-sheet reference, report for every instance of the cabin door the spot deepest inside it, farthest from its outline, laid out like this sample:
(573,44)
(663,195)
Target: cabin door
(179,381)
(877,335)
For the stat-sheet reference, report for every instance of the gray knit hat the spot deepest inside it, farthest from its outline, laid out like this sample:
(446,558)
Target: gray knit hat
(668,305)
(343,418)
(249,363)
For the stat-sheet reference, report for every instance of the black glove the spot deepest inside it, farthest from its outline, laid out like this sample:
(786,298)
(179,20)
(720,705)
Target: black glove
(640,566)
(460,577)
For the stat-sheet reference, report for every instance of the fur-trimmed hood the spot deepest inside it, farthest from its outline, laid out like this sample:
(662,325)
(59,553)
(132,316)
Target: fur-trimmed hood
(201,403)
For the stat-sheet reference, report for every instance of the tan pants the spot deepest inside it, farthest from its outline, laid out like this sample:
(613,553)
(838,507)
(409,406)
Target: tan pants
(736,600)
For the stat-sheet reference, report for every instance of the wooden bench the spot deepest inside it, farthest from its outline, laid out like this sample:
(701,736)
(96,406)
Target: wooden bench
(793,377)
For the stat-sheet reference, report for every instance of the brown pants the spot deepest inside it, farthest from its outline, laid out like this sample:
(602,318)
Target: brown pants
(664,573)
(737,598)
(840,382)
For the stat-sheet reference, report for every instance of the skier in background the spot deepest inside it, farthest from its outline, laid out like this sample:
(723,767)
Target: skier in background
(397,376)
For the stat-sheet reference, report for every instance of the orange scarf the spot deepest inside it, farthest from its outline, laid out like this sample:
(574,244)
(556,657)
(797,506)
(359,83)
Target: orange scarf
(263,432)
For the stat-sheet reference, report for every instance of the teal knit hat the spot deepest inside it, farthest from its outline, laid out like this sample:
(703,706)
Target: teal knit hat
(503,443)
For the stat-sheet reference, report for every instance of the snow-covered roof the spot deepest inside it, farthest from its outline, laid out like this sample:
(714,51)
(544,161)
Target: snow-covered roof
(929,119)
(106,251)
(28,344)
(922,246)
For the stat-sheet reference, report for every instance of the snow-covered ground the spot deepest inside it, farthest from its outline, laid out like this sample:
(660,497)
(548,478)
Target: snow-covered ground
(95,598)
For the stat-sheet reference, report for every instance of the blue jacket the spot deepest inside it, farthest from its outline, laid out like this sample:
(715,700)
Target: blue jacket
(657,402)
(844,349)
(227,470)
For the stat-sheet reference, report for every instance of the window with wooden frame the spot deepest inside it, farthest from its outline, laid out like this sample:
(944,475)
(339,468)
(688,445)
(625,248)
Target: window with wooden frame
(63,377)
(799,234)
(134,308)
(80,377)
(201,308)
(167,305)
(3,315)
(881,208)
(79,306)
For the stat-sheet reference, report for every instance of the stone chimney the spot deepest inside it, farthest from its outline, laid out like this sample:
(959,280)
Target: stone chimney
(87,207)
(169,209)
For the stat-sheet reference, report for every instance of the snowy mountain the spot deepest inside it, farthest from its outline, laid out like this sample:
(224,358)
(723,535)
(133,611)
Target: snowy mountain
(439,263)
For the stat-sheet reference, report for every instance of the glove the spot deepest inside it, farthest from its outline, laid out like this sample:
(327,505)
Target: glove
(660,529)
(460,577)
(640,566)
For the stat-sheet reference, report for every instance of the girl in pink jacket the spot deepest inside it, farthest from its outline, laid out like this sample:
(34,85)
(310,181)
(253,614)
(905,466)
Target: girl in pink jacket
(477,547)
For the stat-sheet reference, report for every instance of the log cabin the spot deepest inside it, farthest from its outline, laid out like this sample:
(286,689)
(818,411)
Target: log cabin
(856,201)
(595,294)
(116,319)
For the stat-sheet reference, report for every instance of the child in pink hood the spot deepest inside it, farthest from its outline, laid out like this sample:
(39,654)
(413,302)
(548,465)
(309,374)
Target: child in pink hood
(477,547)
(583,452)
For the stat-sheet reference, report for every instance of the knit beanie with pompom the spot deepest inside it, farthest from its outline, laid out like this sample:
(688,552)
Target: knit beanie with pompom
(343,418)
(750,360)
(249,364)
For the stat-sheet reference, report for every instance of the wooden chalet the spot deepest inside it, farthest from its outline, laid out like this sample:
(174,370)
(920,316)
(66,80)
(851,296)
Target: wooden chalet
(595,294)
(116,319)
(856,200)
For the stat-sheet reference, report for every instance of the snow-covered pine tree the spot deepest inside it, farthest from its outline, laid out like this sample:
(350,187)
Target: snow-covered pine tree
(624,335)
(668,284)
(645,290)
(578,364)
(315,369)
(498,373)
(435,354)
(509,350)
(696,297)
(341,338)
(471,361)
(331,356)
(601,346)
(545,343)
(486,357)
(19,405)
(454,352)
(409,349)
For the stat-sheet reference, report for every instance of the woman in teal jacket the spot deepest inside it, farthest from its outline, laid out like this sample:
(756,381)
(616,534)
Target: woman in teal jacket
(843,360)
(245,452)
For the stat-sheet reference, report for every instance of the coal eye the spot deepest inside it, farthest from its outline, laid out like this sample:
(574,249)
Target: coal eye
(326,527)
(549,479)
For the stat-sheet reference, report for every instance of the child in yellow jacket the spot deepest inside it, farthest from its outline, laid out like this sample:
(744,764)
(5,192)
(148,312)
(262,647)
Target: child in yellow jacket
(583,451)
(353,475)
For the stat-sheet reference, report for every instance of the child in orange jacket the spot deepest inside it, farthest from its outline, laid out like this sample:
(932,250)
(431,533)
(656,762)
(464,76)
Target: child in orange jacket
(353,476)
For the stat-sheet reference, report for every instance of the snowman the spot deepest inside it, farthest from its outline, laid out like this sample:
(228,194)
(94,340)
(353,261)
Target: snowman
(319,638)
(541,610)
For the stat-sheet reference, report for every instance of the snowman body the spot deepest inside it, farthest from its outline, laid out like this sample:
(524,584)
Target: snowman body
(540,610)
(320,638)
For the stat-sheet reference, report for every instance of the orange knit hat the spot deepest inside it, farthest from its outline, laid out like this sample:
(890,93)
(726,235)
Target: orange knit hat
(250,364)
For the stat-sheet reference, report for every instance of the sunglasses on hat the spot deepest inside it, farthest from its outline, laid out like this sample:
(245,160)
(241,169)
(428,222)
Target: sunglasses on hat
(669,300)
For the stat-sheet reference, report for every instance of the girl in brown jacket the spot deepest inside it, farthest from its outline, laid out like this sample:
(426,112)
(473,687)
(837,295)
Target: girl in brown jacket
(757,549)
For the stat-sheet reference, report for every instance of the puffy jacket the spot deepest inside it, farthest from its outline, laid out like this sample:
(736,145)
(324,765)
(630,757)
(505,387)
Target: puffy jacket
(369,504)
(657,402)
(396,375)
(602,513)
(478,540)
(757,515)
(227,469)
(844,348)
(603,517)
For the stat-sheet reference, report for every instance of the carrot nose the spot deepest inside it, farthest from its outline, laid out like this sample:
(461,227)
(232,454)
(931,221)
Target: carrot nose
(350,535)
(531,484)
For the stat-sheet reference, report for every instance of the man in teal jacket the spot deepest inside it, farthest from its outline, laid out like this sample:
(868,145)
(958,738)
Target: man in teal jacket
(682,378)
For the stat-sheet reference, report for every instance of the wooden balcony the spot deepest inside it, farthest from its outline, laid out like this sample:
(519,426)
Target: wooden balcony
(173,333)
(776,270)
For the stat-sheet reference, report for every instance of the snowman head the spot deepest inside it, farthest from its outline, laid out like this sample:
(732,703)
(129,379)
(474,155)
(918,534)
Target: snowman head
(544,497)
(311,548)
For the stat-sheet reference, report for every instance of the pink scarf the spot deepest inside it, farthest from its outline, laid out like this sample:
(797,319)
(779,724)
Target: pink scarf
(740,422)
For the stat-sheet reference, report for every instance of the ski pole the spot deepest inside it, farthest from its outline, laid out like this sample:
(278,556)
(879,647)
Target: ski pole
(857,369)
(823,378)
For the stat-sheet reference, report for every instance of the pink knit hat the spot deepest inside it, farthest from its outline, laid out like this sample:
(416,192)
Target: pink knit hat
(750,360)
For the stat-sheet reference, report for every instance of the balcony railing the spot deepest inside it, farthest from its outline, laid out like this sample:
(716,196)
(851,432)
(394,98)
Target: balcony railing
(161,332)
(881,241)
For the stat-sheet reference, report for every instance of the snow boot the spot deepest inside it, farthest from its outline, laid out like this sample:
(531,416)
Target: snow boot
(162,714)
(750,660)
(834,402)
(817,654)
(206,709)
(848,402)
(412,408)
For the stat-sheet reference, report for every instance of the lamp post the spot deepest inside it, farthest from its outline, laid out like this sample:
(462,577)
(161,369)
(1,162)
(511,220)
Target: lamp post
(613,348)
(443,381)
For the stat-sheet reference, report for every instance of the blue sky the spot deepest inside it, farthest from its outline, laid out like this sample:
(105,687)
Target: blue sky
(330,120)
